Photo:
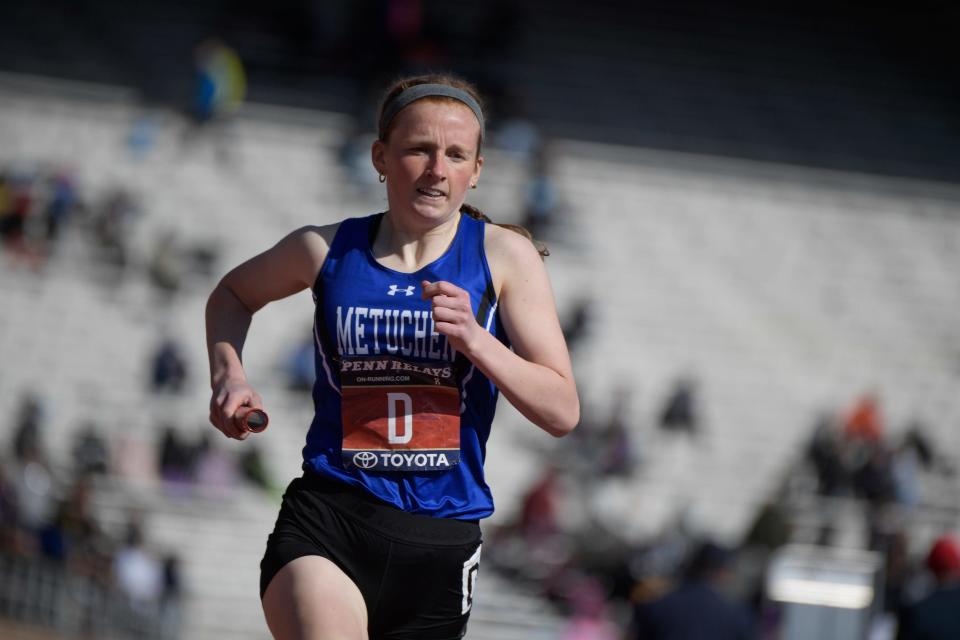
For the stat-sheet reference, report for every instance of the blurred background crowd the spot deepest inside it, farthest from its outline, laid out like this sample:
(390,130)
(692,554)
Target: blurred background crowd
(754,221)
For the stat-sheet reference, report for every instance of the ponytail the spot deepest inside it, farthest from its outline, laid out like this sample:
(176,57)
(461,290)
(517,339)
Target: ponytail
(476,214)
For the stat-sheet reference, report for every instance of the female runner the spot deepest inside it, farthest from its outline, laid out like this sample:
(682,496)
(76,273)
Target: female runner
(423,314)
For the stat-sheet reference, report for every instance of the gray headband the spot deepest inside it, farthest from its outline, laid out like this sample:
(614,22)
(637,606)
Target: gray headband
(417,91)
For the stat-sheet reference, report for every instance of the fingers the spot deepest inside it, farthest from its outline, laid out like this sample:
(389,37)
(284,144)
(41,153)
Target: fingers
(226,424)
(440,287)
(223,424)
(452,312)
(449,303)
(446,295)
(225,407)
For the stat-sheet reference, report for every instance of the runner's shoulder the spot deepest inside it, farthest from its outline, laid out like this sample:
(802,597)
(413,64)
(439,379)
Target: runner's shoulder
(509,249)
(314,239)
(320,236)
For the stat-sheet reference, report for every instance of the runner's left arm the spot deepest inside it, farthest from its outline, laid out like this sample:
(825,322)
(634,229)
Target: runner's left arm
(536,376)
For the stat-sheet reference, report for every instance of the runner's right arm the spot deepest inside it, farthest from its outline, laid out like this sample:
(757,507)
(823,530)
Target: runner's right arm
(287,268)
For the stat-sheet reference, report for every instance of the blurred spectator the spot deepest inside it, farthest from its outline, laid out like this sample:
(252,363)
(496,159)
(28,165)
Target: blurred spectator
(825,453)
(53,536)
(221,83)
(90,451)
(172,262)
(917,439)
(60,206)
(680,410)
(6,201)
(16,205)
(254,468)
(134,459)
(143,135)
(168,368)
(138,573)
(539,507)
(864,421)
(541,198)
(220,88)
(71,535)
(166,264)
(771,528)
(171,596)
(8,512)
(201,258)
(904,469)
(175,457)
(299,367)
(874,479)
(88,547)
(172,578)
(696,610)
(33,481)
(34,486)
(898,572)
(27,440)
(591,616)
(111,226)
(937,617)
(618,455)
(576,322)
(213,468)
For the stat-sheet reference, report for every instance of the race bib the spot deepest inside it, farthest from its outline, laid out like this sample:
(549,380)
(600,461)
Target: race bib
(399,415)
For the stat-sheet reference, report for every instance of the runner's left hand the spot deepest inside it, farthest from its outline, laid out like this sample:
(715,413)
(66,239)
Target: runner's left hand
(452,314)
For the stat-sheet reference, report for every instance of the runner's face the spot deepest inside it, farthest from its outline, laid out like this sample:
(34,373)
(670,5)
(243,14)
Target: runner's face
(430,159)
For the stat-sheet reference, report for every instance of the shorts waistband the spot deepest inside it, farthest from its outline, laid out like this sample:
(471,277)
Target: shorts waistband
(387,519)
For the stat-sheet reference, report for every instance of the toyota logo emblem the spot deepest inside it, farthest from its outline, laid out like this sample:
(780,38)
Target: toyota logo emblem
(365,460)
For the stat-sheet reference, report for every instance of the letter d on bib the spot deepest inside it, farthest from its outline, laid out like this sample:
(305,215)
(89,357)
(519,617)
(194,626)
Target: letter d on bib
(407,413)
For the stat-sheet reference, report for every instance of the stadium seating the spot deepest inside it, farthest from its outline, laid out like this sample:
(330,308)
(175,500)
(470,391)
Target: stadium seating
(784,291)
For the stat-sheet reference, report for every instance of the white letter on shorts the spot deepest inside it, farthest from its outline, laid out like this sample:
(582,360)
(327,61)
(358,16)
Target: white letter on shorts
(470,569)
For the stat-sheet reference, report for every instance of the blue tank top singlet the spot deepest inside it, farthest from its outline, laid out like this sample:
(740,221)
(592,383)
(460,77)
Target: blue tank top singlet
(398,412)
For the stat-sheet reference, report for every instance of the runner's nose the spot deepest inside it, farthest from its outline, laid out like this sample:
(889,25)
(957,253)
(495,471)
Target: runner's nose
(437,167)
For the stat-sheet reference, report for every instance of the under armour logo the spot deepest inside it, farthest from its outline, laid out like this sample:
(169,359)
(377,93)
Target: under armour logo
(407,291)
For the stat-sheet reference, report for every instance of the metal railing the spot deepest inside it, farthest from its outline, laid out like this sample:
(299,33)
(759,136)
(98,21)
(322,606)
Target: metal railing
(47,595)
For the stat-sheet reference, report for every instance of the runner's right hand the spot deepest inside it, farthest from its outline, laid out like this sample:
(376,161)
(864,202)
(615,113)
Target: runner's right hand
(228,396)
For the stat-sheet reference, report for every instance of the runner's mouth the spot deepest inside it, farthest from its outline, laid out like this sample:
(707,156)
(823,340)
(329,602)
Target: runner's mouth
(431,193)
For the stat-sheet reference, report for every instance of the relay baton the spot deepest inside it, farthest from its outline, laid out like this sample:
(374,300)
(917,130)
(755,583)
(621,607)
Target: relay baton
(253,420)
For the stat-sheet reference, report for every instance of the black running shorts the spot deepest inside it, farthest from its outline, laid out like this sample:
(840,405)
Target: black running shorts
(416,573)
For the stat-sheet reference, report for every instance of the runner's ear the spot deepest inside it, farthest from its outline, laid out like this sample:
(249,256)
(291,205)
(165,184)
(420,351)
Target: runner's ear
(377,152)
